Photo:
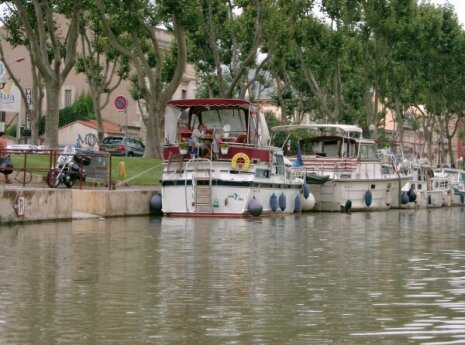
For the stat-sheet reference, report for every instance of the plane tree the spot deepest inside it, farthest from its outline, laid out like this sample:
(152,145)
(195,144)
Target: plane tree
(131,28)
(292,93)
(50,29)
(313,63)
(225,37)
(318,56)
(103,67)
(367,52)
(451,50)
(395,57)
(440,78)
(14,38)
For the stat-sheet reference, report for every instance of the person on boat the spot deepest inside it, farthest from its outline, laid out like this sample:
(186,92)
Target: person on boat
(217,139)
(199,132)
(3,154)
(197,139)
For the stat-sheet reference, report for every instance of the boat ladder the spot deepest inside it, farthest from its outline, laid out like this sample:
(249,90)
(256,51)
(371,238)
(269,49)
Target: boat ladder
(202,185)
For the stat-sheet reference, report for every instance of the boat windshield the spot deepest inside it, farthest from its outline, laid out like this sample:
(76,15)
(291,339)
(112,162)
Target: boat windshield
(231,121)
(368,151)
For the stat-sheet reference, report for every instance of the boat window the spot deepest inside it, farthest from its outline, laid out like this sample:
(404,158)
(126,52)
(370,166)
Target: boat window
(195,123)
(348,149)
(386,169)
(306,147)
(368,152)
(331,148)
(253,130)
(279,165)
(318,147)
(231,121)
(262,173)
(462,176)
(421,176)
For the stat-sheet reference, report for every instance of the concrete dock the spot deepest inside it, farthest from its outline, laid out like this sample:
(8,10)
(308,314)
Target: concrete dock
(31,204)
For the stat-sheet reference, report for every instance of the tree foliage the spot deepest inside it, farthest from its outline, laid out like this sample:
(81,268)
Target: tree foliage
(102,65)
(49,29)
(131,28)
(332,60)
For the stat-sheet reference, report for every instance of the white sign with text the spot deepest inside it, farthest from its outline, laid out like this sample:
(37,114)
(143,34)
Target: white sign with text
(10,98)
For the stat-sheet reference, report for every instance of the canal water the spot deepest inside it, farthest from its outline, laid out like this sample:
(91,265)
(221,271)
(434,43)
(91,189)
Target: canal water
(395,277)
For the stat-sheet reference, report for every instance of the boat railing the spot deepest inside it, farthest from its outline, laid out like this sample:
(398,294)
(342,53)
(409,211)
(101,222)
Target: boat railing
(333,165)
(294,173)
(198,164)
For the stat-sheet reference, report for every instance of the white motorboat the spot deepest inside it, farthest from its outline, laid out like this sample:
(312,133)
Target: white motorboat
(457,183)
(217,162)
(427,188)
(343,169)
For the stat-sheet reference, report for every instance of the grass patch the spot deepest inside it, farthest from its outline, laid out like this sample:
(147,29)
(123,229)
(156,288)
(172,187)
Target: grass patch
(139,171)
(36,163)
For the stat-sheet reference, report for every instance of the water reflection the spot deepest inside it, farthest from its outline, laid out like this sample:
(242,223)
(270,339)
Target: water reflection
(364,278)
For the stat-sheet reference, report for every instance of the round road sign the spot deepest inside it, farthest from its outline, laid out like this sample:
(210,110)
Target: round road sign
(121,102)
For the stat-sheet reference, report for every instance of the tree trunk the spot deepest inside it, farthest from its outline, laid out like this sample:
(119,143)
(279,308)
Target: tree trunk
(154,147)
(399,120)
(51,125)
(35,120)
(451,152)
(371,113)
(98,115)
(429,145)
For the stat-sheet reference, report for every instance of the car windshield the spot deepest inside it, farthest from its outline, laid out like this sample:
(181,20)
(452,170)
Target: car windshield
(112,140)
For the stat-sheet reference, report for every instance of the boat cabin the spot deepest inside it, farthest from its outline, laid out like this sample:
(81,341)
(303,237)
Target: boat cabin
(204,123)
(328,146)
(233,120)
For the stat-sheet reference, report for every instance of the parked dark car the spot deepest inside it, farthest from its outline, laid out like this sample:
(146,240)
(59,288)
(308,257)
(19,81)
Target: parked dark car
(122,146)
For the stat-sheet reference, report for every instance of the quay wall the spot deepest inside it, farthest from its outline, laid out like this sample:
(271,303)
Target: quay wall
(35,204)
(112,203)
(47,204)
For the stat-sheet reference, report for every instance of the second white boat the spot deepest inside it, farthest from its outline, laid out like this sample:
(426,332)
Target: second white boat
(343,169)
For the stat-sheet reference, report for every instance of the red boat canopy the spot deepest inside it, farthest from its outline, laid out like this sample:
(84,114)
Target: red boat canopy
(209,102)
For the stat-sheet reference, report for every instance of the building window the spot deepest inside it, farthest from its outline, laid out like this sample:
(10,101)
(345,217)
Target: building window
(183,94)
(68,98)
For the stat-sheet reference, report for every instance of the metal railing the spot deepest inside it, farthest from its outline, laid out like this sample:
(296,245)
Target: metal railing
(97,172)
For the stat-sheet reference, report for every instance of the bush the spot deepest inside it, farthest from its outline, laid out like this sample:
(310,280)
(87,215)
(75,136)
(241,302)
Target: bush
(82,109)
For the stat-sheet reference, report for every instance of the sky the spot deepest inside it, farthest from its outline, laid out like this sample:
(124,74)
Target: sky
(459,6)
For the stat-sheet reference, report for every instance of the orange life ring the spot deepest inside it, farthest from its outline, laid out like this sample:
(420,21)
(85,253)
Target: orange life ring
(240,161)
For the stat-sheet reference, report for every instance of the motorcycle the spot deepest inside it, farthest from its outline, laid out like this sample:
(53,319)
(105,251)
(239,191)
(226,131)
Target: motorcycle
(68,168)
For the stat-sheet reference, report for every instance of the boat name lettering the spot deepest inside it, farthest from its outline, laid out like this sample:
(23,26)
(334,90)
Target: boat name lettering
(235,196)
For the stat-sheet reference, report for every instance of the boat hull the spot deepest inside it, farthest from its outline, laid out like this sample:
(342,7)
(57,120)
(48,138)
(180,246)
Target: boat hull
(432,190)
(229,201)
(358,195)
(458,199)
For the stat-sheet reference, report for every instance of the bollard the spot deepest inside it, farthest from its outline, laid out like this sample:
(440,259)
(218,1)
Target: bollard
(122,169)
